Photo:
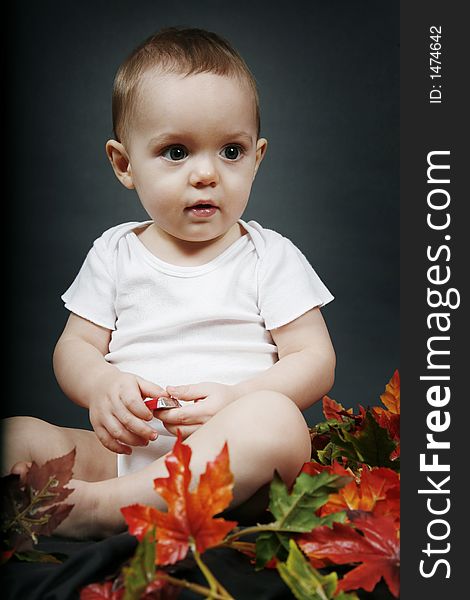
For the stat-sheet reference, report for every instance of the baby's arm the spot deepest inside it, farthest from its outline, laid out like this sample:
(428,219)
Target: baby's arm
(114,398)
(304,373)
(306,365)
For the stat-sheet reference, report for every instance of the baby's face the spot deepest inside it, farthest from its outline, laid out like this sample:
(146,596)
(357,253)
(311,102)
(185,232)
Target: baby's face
(193,152)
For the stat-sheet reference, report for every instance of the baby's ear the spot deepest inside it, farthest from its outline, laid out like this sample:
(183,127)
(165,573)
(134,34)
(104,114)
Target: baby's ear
(261,146)
(119,160)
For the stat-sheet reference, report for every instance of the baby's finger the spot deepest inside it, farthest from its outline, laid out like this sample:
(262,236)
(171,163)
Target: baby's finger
(119,431)
(149,389)
(189,415)
(135,426)
(110,443)
(185,431)
(138,407)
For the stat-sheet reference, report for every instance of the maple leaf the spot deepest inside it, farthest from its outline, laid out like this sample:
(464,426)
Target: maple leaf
(141,570)
(334,410)
(389,418)
(34,506)
(313,468)
(391,397)
(371,444)
(101,591)
(376,549)
(305,582)
(189,518)
(295,512)
(137,581)
(140,577)
(375,489)
(140,519)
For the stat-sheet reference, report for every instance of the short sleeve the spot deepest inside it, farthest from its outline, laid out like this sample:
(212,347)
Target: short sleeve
(92,294)
(288,284)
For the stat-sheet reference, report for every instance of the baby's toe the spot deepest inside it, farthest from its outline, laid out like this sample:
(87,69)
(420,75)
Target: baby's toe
(21,468)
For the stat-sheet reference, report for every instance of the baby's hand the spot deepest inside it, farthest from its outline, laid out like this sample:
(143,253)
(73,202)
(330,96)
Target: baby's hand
(208,398)
(118,412)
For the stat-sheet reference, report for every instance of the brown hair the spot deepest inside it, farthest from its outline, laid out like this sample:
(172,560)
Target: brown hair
(178,50)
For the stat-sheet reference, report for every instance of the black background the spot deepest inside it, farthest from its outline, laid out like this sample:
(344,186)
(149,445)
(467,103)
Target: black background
(328,81)
(328,75)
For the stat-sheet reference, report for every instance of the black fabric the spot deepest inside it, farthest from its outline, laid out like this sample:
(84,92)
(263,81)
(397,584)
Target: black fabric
(89,562)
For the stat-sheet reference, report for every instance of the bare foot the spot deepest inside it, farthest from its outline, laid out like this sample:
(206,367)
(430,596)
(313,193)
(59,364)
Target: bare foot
(79,524)
(84,521)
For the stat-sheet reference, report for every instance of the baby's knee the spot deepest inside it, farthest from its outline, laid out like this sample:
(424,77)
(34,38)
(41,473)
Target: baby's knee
(22,427)
(26,439)
(267,406)
(16,435)
(276,420)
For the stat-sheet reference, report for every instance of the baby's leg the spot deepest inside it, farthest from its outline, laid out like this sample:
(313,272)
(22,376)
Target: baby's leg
(264,430)
(27,439)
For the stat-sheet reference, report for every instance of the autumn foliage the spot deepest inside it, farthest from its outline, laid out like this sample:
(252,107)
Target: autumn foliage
(34,506)
(343,509)
(190,515)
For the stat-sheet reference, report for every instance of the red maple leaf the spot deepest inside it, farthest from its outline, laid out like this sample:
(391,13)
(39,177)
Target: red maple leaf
(114,590)
(101,591)
(336,411)
(33,505)
(190,514)
(376,549)
(313,468)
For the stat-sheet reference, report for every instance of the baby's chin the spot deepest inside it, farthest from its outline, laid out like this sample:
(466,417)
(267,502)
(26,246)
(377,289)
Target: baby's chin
(199,234)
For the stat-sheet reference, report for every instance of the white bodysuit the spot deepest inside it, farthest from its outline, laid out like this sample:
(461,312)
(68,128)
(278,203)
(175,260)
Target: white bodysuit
(174,325)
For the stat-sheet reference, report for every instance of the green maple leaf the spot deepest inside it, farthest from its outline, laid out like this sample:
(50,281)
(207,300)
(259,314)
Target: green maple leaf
(371,445)
(295,511)
(305,582)
(269,544)
(141,570)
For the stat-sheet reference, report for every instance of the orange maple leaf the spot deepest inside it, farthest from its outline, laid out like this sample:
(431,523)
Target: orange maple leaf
(374,490)
(333,409)
(336,411)
(391,397)
(377,491)
(189,518)
(389,417)
(313,468)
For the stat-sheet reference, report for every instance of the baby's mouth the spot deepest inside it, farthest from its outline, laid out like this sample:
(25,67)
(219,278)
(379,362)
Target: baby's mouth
(202,209)
(202,205)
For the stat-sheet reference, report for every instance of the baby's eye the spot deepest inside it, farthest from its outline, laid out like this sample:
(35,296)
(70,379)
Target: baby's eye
(232,152)
(175,153)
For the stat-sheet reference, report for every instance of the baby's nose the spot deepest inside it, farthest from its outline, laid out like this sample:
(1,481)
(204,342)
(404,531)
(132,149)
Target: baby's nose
(204,173)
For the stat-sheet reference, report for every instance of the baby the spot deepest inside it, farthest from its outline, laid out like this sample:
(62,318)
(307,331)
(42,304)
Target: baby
(195,303)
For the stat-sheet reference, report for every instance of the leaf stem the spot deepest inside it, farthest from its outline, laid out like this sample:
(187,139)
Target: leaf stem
(240,546)
(247,530)
(195,587)
(215,586)
(40,495)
